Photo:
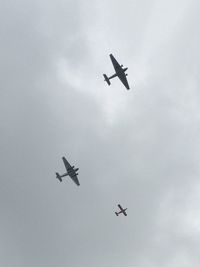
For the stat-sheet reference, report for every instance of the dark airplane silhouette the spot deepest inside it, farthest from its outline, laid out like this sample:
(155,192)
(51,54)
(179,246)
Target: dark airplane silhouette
(121,211)
(119,71)
(71,171)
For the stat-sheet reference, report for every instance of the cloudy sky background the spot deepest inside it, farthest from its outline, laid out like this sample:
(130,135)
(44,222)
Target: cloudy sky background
(140,148)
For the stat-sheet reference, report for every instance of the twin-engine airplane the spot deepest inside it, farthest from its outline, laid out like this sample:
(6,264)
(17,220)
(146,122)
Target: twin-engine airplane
(121,210)
(119,71)
(71,171)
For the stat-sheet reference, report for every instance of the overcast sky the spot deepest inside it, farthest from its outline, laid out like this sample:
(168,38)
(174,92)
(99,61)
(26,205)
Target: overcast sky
(139,148)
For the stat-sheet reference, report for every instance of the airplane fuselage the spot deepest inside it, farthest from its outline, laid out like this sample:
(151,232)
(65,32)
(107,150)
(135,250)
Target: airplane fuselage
(118,72)
(70,171)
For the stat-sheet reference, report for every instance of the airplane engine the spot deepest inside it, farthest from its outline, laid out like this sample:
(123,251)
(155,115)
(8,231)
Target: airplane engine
(126,74)
(122,65)
(70,169)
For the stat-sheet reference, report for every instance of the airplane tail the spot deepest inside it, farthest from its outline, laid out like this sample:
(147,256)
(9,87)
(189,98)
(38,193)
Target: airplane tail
(116,213)
(58,177)
(106,79)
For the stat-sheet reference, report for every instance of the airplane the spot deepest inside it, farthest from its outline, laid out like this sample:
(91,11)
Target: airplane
(121,210)
(119,71)
(71,171)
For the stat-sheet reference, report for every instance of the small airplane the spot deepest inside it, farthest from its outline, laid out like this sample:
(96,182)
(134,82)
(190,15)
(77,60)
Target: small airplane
(121,210)
(71,171)
(119,71)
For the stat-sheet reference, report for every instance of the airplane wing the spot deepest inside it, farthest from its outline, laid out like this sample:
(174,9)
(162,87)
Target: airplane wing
(120,207)
(122,77)
(74,178)
(124,212)
(66,163)
(116,65)
(119,71)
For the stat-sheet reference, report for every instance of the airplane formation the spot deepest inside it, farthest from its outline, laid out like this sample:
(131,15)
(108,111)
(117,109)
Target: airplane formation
(71,171)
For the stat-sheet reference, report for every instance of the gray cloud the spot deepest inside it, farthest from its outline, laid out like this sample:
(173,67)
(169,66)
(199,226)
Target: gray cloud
(139,148)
